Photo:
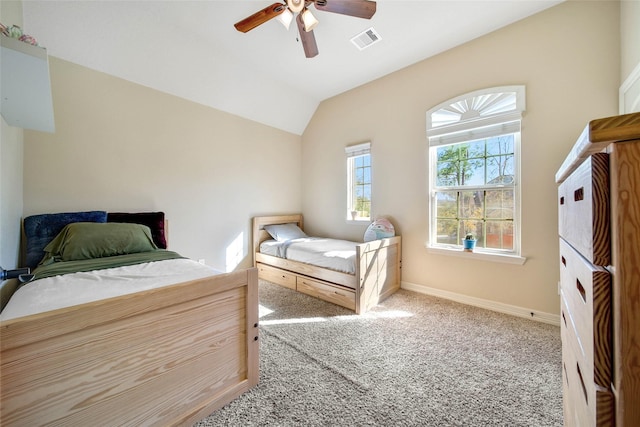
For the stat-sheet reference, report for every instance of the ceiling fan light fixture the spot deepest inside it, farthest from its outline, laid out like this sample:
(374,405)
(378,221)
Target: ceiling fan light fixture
(295,5)
(310,21)
(285,18)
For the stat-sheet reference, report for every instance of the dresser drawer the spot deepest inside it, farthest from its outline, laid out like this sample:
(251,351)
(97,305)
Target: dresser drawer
(586,293)
(584,403)
(574,392)
(584,209)
(327,292)
(275,275)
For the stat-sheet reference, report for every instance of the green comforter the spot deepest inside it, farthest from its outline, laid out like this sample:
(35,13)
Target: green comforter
(64,267)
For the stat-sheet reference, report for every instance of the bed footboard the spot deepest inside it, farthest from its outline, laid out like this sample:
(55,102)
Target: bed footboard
(167,356)
(378,271)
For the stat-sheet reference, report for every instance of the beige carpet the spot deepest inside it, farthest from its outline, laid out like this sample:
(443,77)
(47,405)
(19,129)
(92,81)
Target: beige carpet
(414,360)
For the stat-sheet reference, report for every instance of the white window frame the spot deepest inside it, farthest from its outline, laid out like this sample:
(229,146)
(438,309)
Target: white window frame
(353,152)
(477,115)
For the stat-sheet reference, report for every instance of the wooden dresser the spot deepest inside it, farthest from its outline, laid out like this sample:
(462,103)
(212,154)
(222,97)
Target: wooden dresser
(599,227)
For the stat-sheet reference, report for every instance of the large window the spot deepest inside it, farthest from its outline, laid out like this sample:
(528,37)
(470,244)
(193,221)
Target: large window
(474,145)
(359,182)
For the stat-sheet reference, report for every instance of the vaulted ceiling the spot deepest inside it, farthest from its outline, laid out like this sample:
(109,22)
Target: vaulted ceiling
(192,50)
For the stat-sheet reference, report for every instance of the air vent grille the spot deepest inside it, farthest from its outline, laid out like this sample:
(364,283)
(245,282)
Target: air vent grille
(366,38)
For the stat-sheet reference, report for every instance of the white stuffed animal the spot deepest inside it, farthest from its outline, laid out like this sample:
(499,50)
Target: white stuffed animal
(379,229)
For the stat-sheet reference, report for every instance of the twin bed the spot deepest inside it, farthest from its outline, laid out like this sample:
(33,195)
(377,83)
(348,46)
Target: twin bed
(354,275)
(155,343)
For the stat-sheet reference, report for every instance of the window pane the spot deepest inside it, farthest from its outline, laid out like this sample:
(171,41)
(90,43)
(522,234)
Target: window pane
(487,214)
(473,227)
(500,235)
(447,232)
(473,172)
(447,153)
(447,174)
(500,169)
(359,178)
(366,191)
(447,204)
(363,207)
(500,145)
(500,204)
(471,204)
(473,149)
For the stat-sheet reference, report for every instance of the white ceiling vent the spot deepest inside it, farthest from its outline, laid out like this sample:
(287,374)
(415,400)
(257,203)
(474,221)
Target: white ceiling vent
(366,38)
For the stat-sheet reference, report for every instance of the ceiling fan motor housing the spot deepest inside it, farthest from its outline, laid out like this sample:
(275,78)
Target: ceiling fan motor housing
(295,5)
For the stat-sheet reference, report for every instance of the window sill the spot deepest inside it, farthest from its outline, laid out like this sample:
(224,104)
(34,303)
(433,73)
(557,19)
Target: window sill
(483,256)
(358,221)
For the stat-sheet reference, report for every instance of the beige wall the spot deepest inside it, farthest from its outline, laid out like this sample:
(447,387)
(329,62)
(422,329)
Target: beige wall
(630,31)
(11,140)
(569,59)
(119,146)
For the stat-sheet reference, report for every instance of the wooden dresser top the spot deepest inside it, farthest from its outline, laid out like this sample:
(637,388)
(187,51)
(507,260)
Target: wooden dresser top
(596,136)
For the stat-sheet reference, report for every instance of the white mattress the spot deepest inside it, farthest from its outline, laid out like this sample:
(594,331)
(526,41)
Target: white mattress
(77,288)
(338,255)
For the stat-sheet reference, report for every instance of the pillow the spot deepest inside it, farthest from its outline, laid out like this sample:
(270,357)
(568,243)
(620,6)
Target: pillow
(284,232)
(153,220)
(39,230)
(88,240)
(379,229)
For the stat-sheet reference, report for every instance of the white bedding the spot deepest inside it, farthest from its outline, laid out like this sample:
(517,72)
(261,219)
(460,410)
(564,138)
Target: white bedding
(339,255)
(77,288)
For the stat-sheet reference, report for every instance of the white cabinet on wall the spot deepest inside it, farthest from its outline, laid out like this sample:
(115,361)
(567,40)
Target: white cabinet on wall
(25,86)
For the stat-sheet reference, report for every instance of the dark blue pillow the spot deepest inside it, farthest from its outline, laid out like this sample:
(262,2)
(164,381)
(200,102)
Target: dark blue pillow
(40,229)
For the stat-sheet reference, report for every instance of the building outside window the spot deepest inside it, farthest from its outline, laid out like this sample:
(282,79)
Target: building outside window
(359,182)
(474,143)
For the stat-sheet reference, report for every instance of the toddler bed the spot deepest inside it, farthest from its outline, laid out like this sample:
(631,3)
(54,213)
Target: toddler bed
(114,331)
(354,275)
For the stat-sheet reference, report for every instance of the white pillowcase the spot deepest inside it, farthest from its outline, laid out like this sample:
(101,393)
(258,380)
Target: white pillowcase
(284,232)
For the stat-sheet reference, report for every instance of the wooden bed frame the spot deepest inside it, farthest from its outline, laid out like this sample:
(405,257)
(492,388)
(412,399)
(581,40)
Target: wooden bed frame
(377,276)
(166,356)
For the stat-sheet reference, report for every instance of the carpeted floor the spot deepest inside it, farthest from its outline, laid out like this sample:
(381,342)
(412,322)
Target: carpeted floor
(415,360)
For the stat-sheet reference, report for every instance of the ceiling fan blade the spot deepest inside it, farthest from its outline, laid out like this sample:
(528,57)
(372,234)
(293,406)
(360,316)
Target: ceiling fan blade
(260,17)
(308,39)
(358,8)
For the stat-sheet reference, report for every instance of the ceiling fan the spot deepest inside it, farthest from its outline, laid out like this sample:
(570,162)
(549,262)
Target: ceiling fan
(305,20)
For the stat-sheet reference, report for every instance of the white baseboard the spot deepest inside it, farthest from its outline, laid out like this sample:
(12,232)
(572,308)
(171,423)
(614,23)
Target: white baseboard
(513,310)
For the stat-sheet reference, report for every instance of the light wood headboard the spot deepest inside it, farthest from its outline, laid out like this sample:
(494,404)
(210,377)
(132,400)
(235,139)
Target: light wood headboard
(260,235)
